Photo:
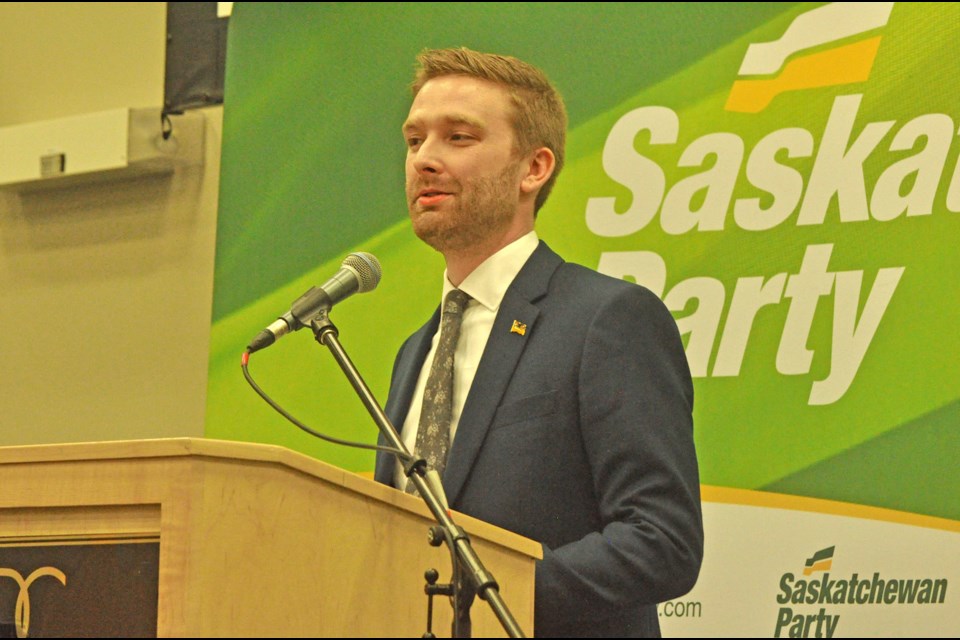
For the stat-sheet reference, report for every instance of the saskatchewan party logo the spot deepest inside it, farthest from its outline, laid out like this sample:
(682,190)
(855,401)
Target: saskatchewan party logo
(809,603)
(831,45)
(821,561)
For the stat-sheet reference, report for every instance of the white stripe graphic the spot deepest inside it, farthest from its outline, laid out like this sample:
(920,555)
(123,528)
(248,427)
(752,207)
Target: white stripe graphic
(830,22)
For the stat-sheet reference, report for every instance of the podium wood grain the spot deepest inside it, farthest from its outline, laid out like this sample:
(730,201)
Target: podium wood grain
(258,540)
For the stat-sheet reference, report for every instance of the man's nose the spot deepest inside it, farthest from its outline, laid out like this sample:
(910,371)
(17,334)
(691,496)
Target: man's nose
(427,158)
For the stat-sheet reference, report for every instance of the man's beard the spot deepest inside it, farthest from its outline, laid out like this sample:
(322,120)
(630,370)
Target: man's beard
(483,208)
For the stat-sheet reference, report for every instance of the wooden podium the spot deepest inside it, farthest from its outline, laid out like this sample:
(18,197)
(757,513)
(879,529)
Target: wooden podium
(231,539)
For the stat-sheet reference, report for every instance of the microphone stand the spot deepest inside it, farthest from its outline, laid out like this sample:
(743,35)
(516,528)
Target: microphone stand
(486,586)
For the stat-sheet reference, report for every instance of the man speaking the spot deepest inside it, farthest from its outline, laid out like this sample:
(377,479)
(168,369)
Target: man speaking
(556,402)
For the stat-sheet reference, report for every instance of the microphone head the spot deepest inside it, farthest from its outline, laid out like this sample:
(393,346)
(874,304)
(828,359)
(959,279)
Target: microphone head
(367,268)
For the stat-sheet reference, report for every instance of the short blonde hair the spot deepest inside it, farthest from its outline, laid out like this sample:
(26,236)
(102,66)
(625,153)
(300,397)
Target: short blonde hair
(540,116)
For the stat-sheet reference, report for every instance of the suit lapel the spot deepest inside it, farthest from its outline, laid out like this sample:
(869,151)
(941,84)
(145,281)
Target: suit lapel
(403,385)
(500,357)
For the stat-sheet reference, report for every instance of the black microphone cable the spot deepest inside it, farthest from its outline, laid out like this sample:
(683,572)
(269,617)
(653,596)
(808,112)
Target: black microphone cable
(244,364)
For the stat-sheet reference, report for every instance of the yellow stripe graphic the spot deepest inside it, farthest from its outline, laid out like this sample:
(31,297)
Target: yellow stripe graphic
(823,565)
(750,498)
(842,65)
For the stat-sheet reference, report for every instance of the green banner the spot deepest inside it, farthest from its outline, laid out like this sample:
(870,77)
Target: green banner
(785,176)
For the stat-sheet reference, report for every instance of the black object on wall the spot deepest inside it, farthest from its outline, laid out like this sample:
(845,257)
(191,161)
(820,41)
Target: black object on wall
(196,56)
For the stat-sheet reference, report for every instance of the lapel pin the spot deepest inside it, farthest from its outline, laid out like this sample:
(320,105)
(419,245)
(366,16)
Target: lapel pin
(518,327)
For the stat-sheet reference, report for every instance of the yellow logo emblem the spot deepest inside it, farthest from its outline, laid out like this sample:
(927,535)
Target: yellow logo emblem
(805,56)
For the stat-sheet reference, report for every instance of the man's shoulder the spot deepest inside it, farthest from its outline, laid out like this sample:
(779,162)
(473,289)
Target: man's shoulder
(565,277)
(596,287)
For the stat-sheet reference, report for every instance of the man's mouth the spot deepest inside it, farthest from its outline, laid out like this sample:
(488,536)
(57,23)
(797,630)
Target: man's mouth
(431,197)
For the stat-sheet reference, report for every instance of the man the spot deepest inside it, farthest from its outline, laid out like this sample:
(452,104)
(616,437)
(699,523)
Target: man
(570,416)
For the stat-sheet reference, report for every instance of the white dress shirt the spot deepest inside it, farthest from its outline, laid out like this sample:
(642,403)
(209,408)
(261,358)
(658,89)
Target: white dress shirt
(487,284)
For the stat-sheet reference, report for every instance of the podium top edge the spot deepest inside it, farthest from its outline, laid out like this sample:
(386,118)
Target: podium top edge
(247,452)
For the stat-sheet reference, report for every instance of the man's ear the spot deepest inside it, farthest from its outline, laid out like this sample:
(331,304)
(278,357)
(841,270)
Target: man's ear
(539,169)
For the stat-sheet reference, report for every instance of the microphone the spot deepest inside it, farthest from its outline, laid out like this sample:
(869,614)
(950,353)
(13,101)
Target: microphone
(359,273)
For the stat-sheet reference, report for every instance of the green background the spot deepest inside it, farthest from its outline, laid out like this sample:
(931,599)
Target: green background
(313,169)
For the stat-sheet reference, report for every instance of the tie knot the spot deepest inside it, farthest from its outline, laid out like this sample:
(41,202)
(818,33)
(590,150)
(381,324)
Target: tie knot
(456,301)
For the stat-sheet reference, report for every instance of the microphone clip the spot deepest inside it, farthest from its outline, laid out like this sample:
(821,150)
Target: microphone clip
(322,326)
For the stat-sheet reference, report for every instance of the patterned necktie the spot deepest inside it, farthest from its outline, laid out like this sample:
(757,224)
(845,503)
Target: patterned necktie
(433,434)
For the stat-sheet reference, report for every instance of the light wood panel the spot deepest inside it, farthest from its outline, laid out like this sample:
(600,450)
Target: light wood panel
(256,539)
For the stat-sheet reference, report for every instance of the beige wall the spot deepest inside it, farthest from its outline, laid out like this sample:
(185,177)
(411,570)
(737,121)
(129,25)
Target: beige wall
(105,289)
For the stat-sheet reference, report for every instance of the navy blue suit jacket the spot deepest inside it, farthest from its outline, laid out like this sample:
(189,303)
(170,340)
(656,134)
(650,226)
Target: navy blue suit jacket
(579,435)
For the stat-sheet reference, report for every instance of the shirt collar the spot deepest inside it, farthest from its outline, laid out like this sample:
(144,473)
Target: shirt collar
(488,283)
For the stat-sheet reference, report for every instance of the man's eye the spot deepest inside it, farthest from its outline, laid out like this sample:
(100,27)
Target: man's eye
(413,142)
(460,137)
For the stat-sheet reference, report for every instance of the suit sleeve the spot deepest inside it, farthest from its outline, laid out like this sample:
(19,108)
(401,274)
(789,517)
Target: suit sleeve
(636,402)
